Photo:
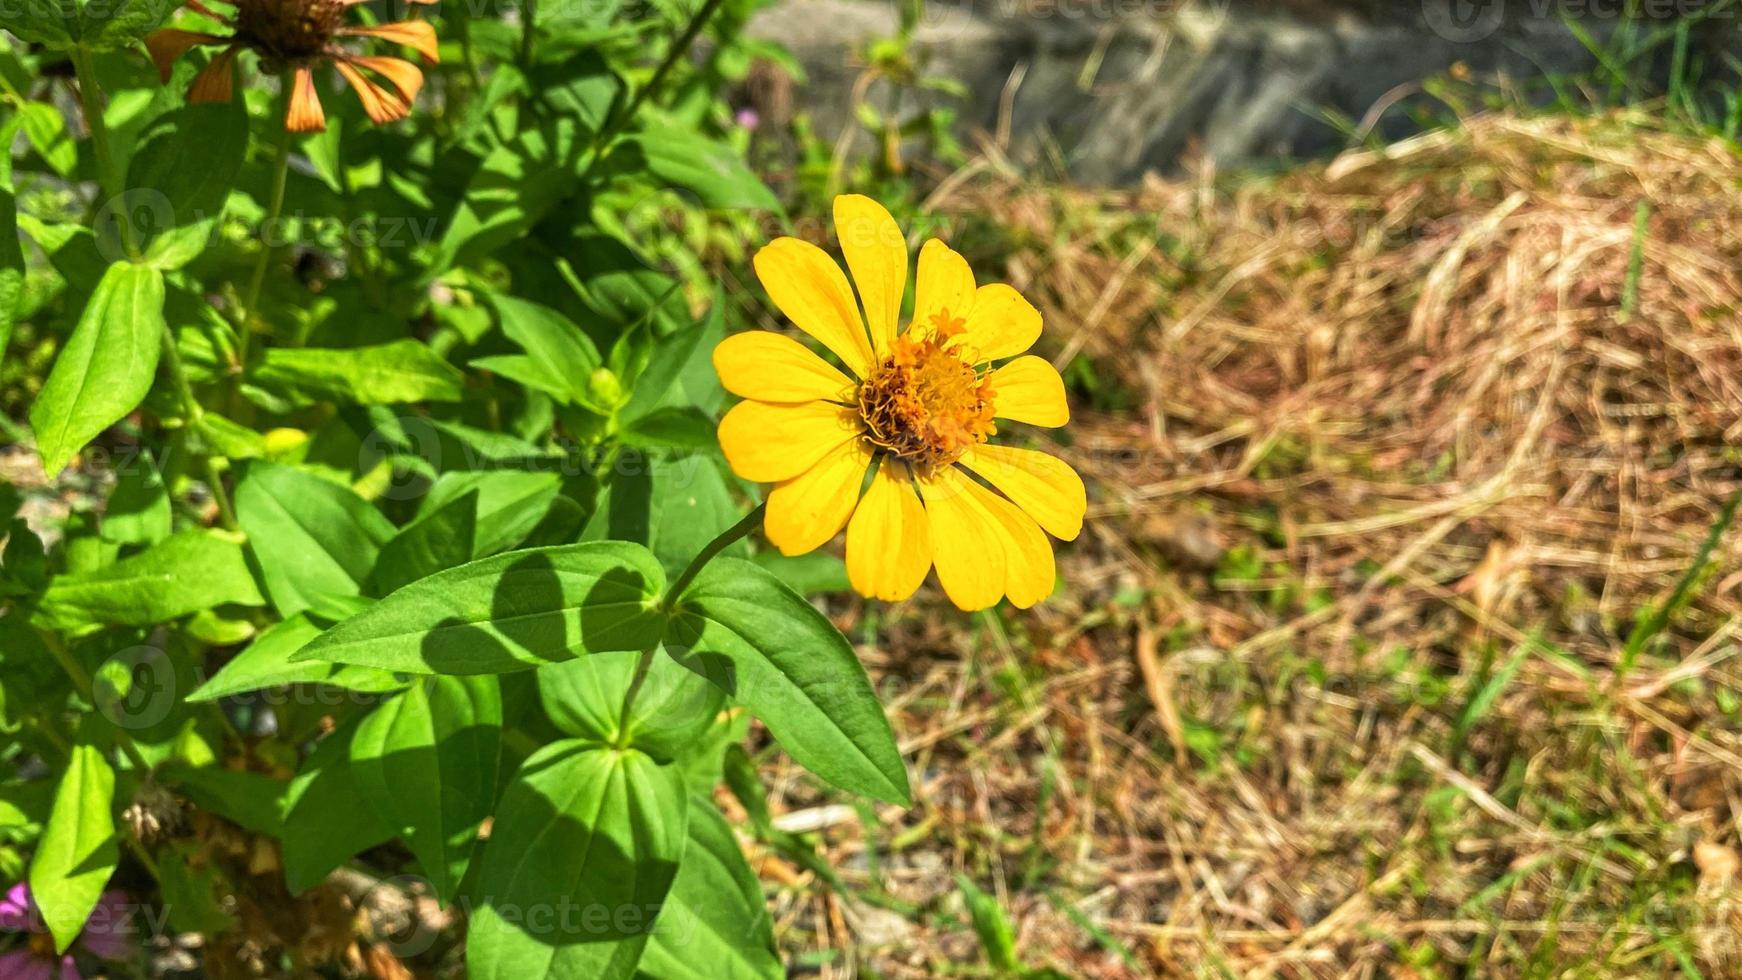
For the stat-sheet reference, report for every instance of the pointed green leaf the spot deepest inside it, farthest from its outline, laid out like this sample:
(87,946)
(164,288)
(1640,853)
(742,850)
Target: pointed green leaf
(715,923)
(581,856)
(78,850)
(312,537)
(441,539)
(138,511)
(775,654)
(426,761)
(106,367)
(323,825)
(385,374)
(186,573)
(508,612)
(266,663)
(672,709)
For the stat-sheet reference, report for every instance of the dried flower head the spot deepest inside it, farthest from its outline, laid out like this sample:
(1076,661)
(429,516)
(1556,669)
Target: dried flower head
(290,37)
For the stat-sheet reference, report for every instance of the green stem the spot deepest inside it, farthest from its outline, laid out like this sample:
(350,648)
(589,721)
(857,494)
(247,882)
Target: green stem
(679,49)
(196,416)
(274,205)
(528,31)
(82,682)
(1655,622)
(109,177)
(725,540)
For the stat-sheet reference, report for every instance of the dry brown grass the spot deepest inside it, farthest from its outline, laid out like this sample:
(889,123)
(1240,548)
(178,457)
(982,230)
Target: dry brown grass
(1383,471)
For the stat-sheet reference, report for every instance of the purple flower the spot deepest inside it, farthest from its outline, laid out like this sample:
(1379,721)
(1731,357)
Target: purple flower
(105,936)
(747,119)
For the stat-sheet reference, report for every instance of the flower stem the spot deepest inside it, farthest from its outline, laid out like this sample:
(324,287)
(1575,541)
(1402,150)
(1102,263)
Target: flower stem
(725,540)
(81,679)
(109,177)
(196,416)
(679,49)
(274,205)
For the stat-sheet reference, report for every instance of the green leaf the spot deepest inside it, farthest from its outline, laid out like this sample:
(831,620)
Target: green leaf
(138,511)
(441,539)
(714,172)
(517,184)
(249,799)
(559,356)
(170,207)
(670,428)
(510,504)
(584,698)
(426,761)
(78,850)
(188,572)
(46,128)
(615,283)
(508,612)
(266,663)
(997,935)
(384,374)
(106,367)
(584,848)
(775,654)
(323,825)
(656,385)
(715,923)
(312,537)
(97,25)
(11,254)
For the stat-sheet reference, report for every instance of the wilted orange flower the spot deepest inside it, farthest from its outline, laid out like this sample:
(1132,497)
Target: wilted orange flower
(290,36)
(917,411)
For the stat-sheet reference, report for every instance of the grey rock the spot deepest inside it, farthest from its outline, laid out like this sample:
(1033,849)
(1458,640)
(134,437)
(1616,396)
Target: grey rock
(1115,88)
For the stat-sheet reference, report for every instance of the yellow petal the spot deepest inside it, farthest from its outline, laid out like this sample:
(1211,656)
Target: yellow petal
(889,545)
(774,368)
(1029,390)
(1002,324)
(1044,486)
(1029,572)
(876,253)
(769,443)
(807,510)
(965,539)
(810,289)
(945,290)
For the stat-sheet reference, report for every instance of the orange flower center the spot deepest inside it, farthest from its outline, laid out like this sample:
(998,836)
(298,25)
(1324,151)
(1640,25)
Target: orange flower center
(925,403)
(288,31)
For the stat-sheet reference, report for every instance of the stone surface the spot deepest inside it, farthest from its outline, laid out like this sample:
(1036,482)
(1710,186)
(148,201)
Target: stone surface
(1114,88)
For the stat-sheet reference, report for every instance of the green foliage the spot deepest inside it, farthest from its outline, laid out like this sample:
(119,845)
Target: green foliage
(387,445)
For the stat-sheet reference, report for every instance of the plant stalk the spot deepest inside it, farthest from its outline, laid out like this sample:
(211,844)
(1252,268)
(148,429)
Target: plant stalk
(109,177)
(196,416)
(726,539)
(274,205)
(87,689)
(679,49)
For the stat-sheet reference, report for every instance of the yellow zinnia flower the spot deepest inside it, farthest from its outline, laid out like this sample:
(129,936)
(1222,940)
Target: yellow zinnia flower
(917,411)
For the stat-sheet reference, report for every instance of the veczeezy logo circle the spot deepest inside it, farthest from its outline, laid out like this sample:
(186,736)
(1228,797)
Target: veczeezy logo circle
(136,215)
(1464,21)
(136,688)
